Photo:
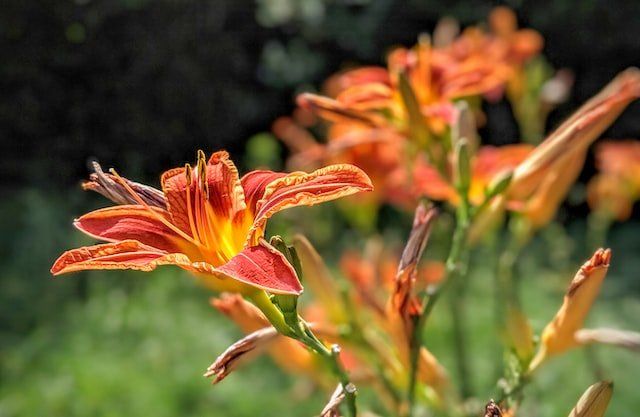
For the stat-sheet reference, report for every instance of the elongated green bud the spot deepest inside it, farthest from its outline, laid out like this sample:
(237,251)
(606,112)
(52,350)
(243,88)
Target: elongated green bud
(287,303)
(463,166)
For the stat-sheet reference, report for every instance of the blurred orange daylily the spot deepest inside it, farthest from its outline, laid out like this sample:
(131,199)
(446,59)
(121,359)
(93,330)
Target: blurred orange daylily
(205,220)
(373,96)
(560,334)
(373,111)
(487,165)
(617,186)
(522,44)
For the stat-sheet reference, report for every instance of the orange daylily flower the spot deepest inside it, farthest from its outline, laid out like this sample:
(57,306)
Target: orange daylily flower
(370,116)
(617,186)
(206,220)
(560,334)
(436,76)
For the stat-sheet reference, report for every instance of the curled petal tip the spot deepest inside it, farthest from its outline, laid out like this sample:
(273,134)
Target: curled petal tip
(601,257)
(240,351)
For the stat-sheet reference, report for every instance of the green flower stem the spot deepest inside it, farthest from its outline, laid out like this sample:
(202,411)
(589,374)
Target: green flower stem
(598,225)
(301,332)
(261,300)
(331,357)
(357,335)
(455,267)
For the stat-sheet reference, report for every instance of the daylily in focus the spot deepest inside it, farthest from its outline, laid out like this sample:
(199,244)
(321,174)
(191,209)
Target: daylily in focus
(560,334)
(205,220)
(614,190)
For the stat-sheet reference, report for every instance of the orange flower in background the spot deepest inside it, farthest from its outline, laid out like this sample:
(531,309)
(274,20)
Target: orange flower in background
(617,186)
(377,151)
(373,96)
(522,44)
(205,220)
(560,334)
(372,111)
(489,163)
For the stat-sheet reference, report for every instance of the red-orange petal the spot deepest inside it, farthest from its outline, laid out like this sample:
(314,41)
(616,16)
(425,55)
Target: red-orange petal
(264,267)
(307,189)
(127,254)
(260,266)
(126,222)
(254,183)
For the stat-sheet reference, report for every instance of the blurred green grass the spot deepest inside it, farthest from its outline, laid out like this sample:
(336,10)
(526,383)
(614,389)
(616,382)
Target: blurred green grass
(139,351)
(136,344)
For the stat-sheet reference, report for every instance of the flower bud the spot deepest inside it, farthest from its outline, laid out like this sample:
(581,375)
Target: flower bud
(559,334)
(594,401)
